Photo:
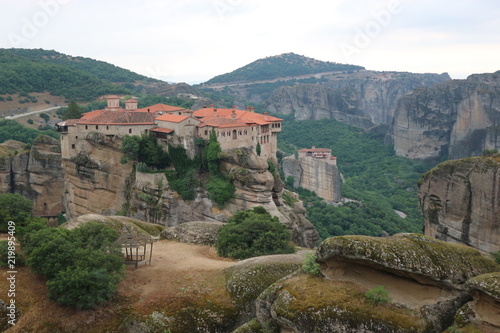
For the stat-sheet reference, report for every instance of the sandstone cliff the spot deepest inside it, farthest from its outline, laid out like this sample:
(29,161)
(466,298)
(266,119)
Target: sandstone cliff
(96,182)
(362,99)
(314,175)
(455,119)
(35,173)
(460,202)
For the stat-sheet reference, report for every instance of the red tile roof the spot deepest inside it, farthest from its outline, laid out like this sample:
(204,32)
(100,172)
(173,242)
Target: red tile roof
(162,130)
(240,116)
(131,101)
(172,118)
(221,122)
(117,117)
(112,97)
(160,108)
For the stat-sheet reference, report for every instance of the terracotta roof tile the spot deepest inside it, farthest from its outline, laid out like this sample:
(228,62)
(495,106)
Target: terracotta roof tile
(161,130)
(244,117)
(160,108)
(172,118)
(117,117)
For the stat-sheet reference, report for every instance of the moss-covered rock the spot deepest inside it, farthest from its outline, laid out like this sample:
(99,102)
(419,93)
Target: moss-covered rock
(122,224)
(487,283)
(411,255)
(247,279)
(311,304)
(197,232)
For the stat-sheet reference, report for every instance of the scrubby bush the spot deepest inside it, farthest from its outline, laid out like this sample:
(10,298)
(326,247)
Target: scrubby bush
(252,233)
(378,295)
(220,190)
(311,266)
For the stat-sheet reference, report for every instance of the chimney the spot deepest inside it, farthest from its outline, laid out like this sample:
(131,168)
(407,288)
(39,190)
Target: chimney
(204,106)
(233,115)
(234,107)
(247,108)
(215,111)
(313,147)
(211,105)
(266,115)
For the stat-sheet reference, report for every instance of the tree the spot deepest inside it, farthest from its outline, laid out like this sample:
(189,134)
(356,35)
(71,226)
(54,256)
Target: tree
(213,152)
(258,148)
(253,233)
(45,117)
(74,111)
(14,207)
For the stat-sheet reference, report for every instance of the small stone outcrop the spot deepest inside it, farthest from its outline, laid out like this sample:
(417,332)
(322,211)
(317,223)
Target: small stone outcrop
(425,278)
(196,232)
(454,119)
(459,201)
(35,173)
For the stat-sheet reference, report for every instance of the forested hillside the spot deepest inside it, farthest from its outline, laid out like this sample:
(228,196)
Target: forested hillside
(284,65)
(24,71)
(379,180)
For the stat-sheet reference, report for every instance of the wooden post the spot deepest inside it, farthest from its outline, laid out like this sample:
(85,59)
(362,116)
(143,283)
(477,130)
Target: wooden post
(151,253)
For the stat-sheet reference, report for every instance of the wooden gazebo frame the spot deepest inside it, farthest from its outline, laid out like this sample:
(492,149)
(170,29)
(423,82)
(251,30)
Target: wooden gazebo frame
(136,248)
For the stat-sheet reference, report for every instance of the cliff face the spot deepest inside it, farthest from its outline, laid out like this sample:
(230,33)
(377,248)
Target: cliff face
(36,173)
(459,200)
(454,119)
(362,99)
(96,182)
(314,175)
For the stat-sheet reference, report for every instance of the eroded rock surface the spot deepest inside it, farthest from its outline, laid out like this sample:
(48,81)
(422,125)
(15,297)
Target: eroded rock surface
(459,200)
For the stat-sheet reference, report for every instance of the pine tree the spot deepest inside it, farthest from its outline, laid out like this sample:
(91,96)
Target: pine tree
(74,111)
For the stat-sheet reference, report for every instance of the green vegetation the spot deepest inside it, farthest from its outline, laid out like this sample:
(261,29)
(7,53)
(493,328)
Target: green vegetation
(252,233)
(311,265)
(496,255)
(378,295)
(73,111)
(379,181)
(83,266)
(12,130)
(145,149)
(284,65)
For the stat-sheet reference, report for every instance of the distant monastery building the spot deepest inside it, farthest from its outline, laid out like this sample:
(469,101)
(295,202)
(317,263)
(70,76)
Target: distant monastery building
(173,125)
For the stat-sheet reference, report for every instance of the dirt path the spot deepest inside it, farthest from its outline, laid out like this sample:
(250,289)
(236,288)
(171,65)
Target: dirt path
(32,112)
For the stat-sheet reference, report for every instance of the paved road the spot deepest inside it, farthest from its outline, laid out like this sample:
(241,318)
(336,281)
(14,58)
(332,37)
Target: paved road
(32,112)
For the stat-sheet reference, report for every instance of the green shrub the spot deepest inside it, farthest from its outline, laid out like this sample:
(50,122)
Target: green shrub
(378,295)
(311,266)
(496,255)
(220,190)
(30,121)
(252,233)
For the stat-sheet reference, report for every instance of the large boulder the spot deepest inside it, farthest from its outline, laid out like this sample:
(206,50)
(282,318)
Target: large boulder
(196,232)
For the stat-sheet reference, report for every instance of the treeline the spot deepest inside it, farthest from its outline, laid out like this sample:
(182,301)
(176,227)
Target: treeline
(102,70)
(12,130)
(379,181)
(289,64)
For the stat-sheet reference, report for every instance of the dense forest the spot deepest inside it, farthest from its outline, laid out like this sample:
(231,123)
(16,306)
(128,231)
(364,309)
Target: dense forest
(83,79)
(12,130)
(288,64)
(375,177)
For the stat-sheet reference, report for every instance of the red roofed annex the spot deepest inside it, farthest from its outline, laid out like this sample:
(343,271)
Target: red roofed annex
(173,125)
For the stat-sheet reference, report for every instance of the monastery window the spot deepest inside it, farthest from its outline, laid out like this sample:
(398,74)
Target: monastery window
(73,146)
(223,133)
(206,132)
(76,137)
(129,131)
(239,132)
(96,127)
(246,132)
(86,127)
(107,127)
(235,135)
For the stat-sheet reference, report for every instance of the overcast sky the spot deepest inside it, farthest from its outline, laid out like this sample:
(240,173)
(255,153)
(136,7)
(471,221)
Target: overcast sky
(194,40)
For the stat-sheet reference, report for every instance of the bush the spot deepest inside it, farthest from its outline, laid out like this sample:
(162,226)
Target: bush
(220,190)
(83,266)
(253,233)
(311,266)
(30,121)
(378,295)
(14,207)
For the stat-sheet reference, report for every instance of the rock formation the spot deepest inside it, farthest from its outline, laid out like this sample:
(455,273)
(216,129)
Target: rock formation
(454,119)
(459,200)
(315,174)
(362,98)
(425,279)
(35,173)
(96,182)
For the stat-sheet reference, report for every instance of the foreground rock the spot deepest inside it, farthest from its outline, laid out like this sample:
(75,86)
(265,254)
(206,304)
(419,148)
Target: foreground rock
(425,278)
(459,200)
(196,232)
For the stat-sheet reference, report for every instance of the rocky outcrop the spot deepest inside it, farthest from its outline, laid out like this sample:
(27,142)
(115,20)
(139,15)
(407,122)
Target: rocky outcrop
(196,232)
(96,182)
(425,279)
(35,173)
(455,119)
(459,200)
(315,175)
(362,98)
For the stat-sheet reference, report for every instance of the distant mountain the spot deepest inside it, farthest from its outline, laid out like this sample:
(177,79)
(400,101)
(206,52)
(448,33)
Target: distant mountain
(281,66)
(78,78)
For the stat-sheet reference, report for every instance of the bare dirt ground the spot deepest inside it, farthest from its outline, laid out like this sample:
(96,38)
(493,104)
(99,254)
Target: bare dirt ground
(178,272)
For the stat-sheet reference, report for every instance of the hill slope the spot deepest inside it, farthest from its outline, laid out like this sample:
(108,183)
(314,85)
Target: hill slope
(284,65)
(27,71)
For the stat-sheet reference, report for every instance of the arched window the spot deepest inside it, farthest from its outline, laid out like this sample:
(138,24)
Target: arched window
(86,127)
(235,135)
(96,127)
